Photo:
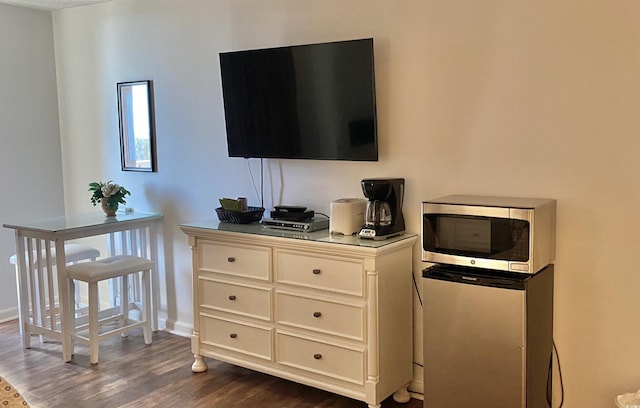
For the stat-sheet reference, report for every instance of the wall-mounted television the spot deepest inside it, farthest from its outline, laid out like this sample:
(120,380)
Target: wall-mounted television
(314,101)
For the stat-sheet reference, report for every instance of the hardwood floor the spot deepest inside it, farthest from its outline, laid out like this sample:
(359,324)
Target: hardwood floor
(131,374)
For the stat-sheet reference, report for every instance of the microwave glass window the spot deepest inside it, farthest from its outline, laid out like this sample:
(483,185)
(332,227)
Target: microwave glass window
(464,234)
(493,238)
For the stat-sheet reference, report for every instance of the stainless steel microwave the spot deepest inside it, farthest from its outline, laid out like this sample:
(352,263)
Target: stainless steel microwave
(501,233)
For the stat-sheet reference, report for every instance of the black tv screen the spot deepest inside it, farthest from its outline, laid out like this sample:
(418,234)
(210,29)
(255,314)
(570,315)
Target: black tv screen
(313,101)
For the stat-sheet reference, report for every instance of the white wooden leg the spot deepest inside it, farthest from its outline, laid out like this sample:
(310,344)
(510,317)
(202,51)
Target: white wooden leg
(26,338)
(146,305)
(375,406)
(23,314)
(67,322)
(402,395)
(124,301)
(154,229)
(75,295)
(199,366)
(64,298)
(94,309)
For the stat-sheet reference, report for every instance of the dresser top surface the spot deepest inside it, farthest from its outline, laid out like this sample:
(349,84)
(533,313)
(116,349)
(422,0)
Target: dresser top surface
(317,236)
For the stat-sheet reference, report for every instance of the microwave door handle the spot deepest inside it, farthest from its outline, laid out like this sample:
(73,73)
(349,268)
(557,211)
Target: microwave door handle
(469,210)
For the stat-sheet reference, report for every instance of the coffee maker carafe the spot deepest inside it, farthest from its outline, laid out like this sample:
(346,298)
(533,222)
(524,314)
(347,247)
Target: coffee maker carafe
(384,209)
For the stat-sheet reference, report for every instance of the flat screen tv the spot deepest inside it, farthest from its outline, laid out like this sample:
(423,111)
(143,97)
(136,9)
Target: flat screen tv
(313,101)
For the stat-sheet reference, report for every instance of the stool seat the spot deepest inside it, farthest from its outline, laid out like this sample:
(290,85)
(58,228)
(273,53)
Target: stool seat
(73,253)
(108,268)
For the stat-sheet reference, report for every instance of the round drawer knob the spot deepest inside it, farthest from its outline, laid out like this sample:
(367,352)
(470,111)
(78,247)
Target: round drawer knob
(231,259)
(316,271)
(232,297)
(317,314)
(233,335)
(317,356)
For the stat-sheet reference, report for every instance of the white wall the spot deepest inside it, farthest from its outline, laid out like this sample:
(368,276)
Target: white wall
(30,164)
(523,98)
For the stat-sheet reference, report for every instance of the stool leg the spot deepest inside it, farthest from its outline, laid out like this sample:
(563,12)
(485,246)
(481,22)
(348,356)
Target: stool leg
(124,301)
(94,335)
(146,305)
(74,294)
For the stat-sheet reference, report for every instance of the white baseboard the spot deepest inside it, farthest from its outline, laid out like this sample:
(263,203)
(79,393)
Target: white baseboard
(8,314)
(170,325)
(178,328)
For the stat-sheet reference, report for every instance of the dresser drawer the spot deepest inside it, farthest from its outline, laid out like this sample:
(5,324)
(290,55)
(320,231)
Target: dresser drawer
(330,360)
(327,273)
(240,299)
(240,337)
(236,259)
(320,315)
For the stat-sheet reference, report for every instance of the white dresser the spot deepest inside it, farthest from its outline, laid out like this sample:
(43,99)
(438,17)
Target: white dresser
(332,312)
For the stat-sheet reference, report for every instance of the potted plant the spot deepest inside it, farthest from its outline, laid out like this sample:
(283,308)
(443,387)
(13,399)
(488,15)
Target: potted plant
(109,194)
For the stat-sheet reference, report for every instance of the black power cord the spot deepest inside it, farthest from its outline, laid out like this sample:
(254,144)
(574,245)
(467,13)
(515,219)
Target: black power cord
(260,193)
(415,284)
(555,350)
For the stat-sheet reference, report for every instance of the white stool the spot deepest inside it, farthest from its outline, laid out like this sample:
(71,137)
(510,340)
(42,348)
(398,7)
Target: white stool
(42,304)
(73,253)
(113,267)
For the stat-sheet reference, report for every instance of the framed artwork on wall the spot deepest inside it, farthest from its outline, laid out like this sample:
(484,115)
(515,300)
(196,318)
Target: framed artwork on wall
(137,125)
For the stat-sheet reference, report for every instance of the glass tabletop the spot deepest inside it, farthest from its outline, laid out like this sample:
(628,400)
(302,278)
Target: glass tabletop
(77,221)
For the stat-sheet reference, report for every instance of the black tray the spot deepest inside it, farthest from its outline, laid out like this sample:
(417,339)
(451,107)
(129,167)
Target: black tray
(253,214)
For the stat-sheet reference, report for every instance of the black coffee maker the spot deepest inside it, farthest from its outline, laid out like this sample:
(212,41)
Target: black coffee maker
(384,209)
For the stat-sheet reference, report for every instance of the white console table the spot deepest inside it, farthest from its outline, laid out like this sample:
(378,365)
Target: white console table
(135,233)
(332,312)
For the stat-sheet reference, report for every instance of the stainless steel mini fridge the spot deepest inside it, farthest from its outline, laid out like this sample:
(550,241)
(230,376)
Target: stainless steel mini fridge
(487,338)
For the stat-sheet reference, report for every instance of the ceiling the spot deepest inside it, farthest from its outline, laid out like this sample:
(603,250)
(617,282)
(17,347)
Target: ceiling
(51,4)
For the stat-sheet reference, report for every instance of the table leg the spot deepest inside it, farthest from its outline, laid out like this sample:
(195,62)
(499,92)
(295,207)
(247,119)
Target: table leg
(64,301)
(155,238)
(23,291)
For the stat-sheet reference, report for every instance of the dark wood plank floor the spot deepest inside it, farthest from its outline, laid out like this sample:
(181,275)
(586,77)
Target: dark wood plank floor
(131,374)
